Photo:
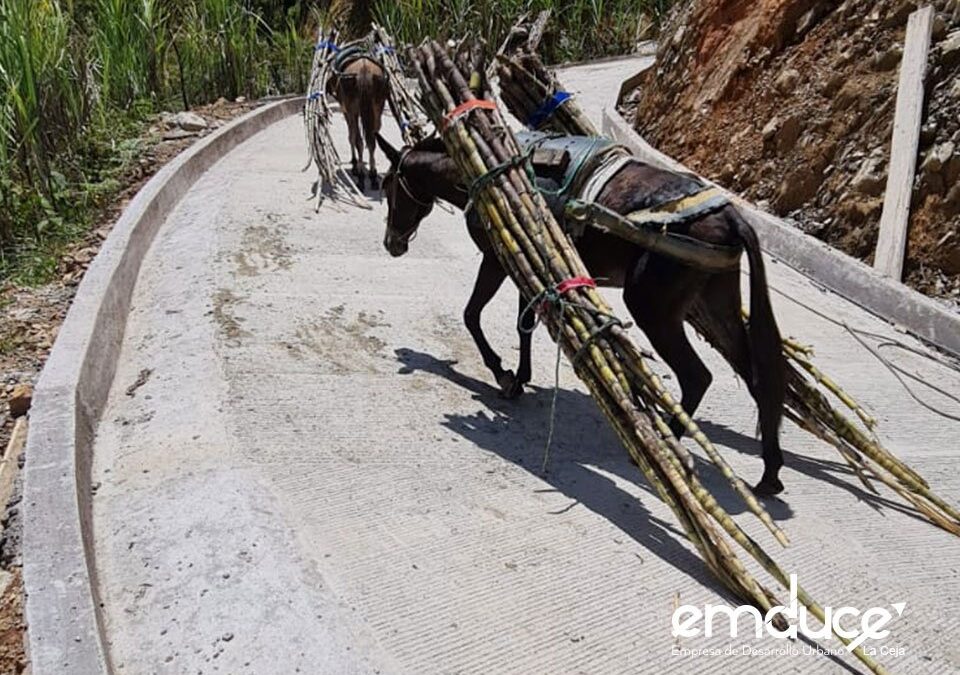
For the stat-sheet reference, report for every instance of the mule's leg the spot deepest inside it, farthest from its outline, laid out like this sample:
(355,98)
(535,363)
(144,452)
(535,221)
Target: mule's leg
(356,147)
(525,324)
(489,279)
(658,295)
(720,303)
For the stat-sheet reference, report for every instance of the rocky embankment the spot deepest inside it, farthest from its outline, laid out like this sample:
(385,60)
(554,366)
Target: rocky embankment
(791,103)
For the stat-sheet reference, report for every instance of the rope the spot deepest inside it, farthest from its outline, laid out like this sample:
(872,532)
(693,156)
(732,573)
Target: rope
(327,44)
(483,180)
(895,370)
(554,298)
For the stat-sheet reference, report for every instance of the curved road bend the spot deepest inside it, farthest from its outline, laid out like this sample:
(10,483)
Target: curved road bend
(315,472)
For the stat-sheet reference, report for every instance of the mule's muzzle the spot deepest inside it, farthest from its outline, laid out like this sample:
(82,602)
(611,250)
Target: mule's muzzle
(395,245)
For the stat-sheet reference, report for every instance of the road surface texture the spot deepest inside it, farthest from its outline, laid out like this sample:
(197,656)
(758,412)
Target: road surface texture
(303,466)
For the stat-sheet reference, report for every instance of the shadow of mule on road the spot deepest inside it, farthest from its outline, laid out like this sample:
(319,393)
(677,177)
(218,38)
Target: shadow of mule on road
(583,449)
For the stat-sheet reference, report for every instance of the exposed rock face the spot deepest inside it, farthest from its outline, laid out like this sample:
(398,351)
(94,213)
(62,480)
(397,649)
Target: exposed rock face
(791,102)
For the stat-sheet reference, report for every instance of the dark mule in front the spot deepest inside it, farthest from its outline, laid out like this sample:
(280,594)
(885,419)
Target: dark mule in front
(660,292)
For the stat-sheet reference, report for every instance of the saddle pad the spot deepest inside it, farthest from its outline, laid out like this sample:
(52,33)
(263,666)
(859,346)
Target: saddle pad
(348,55)
(561,180)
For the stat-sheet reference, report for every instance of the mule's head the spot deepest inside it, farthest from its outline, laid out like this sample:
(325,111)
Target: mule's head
(408,201)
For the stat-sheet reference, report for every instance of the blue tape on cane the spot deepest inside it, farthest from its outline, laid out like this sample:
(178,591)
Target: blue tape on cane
(543,113)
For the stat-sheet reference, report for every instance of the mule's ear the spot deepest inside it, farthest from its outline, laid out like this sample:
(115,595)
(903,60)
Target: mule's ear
(391,152)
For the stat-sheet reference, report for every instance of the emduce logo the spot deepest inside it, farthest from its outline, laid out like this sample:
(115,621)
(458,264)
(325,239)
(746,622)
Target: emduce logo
(687,620)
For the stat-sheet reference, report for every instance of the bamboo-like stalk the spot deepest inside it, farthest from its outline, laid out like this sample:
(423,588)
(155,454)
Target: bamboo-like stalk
(407,112)
(317,117)
(524,83)
(538,255)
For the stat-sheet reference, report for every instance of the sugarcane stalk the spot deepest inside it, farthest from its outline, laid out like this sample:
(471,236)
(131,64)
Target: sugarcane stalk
(317,117)
(525,84)
(537,255)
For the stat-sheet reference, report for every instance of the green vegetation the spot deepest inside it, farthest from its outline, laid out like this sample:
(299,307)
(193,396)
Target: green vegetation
(578,29)
(80,78)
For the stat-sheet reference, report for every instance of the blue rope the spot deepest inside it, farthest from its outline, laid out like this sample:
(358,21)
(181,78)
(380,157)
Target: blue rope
(327,44)
(543,113)
(381,49)
(314,96)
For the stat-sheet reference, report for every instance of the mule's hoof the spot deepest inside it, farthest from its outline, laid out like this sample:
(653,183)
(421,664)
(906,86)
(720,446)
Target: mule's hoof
(510,386)
(374,181)
(768,487)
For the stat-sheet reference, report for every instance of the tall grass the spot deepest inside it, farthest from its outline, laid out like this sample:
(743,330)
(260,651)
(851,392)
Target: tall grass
(79,79)
(128,45)
(45,100)
(579,29)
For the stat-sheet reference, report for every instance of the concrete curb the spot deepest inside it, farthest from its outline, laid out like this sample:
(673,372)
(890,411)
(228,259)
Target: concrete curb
(846,276)
(62,604)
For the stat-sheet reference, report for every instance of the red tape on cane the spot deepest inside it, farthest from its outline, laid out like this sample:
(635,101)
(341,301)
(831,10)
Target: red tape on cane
(464,108)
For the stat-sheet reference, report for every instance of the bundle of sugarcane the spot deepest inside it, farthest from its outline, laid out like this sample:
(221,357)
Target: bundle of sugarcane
(403,104)
(530,91)
(524,80)
(317,117)
(533,95)
(543,263)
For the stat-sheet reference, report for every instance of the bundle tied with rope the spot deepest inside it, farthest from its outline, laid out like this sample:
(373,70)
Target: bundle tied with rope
(541,260)
(404,106)
(317,117)
(527,88)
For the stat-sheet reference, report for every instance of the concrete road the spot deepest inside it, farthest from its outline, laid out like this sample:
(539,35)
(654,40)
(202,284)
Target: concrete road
(303,466)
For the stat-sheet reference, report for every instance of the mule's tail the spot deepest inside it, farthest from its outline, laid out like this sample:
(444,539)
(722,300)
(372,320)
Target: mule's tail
(768,365)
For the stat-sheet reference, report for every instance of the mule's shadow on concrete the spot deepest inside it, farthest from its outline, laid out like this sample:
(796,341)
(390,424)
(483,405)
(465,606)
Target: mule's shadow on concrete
(835,473)
(516,430)
(583,443)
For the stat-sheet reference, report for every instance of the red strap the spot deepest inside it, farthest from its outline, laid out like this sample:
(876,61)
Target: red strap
(575,282)
(464,108)
(565,286)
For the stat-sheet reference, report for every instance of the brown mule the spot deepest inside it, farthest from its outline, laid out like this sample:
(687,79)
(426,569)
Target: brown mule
(661,293)
(361,89)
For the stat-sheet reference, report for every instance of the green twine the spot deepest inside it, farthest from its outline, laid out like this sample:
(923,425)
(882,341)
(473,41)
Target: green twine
(550,296)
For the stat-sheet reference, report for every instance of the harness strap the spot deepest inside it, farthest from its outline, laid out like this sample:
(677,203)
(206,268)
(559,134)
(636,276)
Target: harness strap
(681,210)
(687,250)
(466,107)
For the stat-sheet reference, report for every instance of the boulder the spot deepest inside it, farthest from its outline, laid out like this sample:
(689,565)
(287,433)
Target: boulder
(787,81)
(937,157)
(887,59)
(950,50)
(788,133)
(799,187)
(20,400)
(189,121)
(870,178)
